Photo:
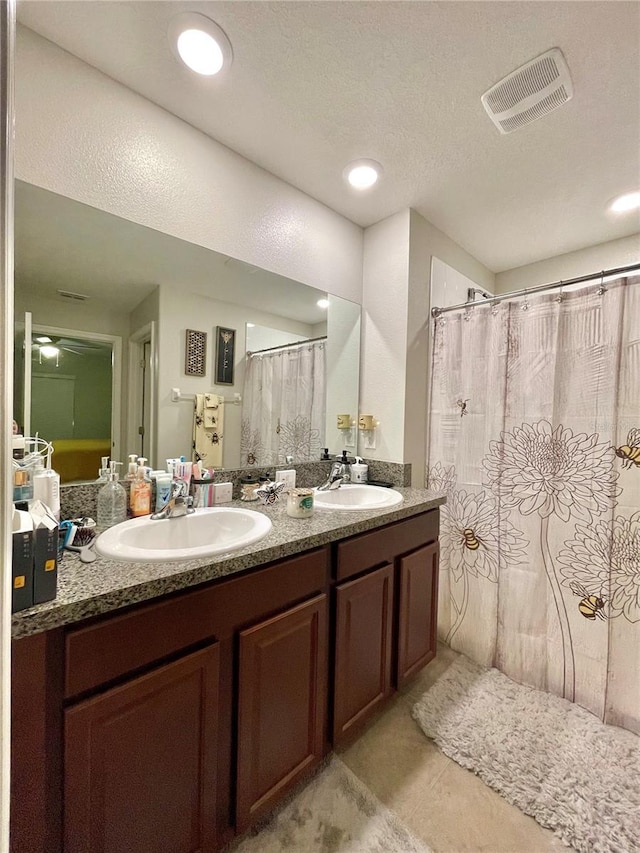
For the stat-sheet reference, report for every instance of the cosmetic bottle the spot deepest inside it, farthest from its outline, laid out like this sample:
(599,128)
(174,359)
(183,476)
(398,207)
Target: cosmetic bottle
(141,492)
(112,501)
(103,471)
(132,467)
(46,487)
(359,471)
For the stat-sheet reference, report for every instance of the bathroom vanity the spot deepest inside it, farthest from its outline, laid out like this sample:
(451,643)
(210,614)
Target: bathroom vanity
(169,708)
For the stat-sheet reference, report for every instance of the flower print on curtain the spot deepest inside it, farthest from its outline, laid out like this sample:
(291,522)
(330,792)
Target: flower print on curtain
(284,405)
(540,538)
(478,537)
(552,472)
(603,562)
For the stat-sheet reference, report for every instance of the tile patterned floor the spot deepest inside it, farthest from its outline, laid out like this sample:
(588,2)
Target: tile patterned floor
(446,806)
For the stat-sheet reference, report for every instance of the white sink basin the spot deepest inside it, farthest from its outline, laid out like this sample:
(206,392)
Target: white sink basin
(353,497)
(204,533)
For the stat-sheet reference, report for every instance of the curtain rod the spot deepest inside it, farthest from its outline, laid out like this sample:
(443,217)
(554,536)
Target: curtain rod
(526,291)
(286,346)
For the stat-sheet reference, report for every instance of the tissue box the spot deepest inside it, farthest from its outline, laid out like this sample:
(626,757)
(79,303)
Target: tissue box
(22,561)
(45,553)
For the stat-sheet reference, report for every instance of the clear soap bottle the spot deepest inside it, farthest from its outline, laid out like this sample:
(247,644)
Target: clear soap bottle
(112,501)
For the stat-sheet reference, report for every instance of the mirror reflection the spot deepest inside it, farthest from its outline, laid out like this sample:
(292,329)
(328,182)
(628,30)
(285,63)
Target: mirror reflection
(117,300)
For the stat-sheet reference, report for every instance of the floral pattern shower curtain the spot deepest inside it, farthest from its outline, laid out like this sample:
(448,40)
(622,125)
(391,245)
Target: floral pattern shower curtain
(535,437)
(284,405)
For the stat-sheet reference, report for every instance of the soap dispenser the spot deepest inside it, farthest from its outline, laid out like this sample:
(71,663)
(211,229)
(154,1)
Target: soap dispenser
(103,471)
(112,501)
(141,491)
(359,471)
(132,467)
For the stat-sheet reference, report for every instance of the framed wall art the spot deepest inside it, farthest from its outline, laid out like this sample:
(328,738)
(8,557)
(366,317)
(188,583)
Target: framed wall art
(195,353)
(225,352)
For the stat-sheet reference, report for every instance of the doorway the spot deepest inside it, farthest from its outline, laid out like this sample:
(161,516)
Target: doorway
(70,395)
(141,422)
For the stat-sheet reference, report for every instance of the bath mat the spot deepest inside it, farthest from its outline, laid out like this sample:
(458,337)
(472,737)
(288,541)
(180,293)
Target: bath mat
(551,758)
(334,813)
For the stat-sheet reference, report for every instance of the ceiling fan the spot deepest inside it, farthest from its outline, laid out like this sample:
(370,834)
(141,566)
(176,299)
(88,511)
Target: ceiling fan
(50,346)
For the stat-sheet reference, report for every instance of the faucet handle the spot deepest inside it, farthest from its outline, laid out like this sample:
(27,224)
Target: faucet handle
(179,488)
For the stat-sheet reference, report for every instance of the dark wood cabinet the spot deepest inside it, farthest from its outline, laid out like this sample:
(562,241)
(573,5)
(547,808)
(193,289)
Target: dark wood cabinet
(281,705)
(140,762)
(363,648)
(175,724)
(417,611)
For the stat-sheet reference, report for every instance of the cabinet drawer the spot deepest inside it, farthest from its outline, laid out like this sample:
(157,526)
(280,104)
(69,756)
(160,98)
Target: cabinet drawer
(117,645)
(368,550)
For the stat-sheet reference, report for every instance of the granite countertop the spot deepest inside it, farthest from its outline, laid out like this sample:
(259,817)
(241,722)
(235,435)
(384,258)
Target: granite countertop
(89,589)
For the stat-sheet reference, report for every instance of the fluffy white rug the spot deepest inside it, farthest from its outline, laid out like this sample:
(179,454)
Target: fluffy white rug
(551,758)
(334,813)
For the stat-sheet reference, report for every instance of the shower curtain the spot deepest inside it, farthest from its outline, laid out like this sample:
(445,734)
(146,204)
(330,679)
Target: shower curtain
(535,438)
(283,407)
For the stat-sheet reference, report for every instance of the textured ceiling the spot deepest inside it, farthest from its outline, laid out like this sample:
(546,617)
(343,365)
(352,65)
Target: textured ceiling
(314,85)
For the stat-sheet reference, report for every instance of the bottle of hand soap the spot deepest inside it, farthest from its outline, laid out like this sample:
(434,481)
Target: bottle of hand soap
(112,501)
(132,468)
(359,471)
(141,491)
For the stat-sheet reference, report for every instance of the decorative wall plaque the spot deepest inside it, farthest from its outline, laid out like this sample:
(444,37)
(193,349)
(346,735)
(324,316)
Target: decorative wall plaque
(225,351)
(195,359)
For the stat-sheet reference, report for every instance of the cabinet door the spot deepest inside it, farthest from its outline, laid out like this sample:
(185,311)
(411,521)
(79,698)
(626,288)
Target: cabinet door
(140,762)
(364,615)
(418,611)
(281,705)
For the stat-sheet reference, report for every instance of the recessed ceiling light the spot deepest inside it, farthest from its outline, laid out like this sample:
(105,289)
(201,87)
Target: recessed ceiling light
(628,201)
(199,43)
(323,303)
(362,174)
(251,325)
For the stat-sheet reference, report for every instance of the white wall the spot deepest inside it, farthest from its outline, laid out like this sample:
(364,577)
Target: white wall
(147,311)
(383,353)
(266,337)
(343,354)
(70,314)
(395,350)
(179,311)
(615,253)
(83,135)
(448,286)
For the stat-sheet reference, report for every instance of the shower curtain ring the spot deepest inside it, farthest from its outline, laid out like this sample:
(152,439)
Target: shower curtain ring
(525,304)
(560,296)
(602,289)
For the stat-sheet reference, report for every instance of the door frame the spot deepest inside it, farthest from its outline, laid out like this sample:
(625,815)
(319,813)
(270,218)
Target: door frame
(7,116)
(145,334)
(116,372)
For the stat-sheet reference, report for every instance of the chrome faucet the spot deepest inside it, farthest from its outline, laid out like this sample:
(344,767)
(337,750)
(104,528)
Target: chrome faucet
(179,503)
(340,473)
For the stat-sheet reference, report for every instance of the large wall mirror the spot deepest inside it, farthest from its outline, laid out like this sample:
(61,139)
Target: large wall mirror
(103,307)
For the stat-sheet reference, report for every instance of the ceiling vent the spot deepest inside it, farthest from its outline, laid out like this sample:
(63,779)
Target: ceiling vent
(69,294)
(529,92)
